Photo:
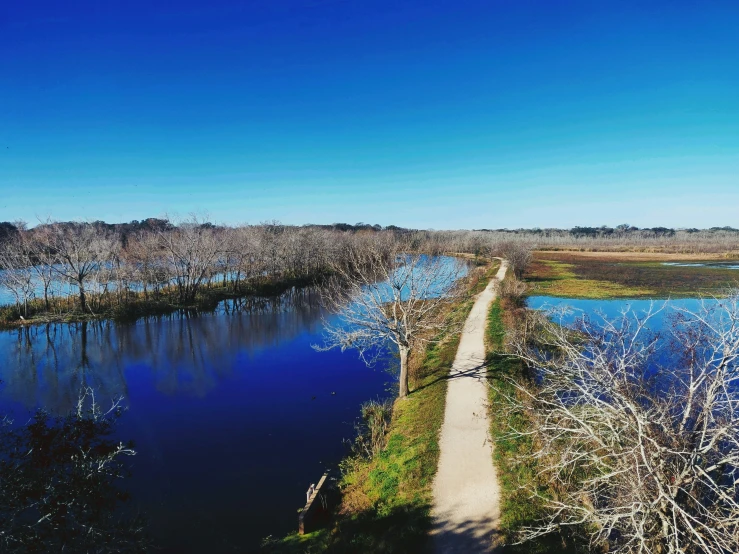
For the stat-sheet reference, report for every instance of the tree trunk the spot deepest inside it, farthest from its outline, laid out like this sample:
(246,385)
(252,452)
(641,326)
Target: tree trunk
(404,351)
(83,299)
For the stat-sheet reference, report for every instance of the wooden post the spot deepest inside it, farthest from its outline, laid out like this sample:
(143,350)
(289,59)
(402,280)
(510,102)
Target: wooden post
(312,506)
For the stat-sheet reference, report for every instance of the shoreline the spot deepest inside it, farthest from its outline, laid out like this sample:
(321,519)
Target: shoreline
(138,307)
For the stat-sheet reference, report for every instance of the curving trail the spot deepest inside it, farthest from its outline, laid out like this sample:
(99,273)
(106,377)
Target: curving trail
(466,493)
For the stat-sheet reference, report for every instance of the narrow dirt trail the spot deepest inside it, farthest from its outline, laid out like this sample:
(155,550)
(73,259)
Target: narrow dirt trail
(466,493)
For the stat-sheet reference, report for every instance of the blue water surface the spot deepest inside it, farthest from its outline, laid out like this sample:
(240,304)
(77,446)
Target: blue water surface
(233,414)
(569,309)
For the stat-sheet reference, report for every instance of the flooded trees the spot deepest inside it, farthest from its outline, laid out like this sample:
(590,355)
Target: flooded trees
(639,434)
(384,294)
(113,268)
(192,252)
(80,251)
(16,275)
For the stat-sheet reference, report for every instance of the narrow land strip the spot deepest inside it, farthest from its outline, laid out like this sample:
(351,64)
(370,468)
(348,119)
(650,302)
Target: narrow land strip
(466,493)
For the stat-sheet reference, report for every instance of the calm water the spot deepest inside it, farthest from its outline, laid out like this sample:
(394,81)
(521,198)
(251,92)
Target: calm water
(233,414)
(710,265)
(612,308)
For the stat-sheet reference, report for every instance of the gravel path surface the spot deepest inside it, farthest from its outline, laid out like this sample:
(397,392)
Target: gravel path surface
(466,493)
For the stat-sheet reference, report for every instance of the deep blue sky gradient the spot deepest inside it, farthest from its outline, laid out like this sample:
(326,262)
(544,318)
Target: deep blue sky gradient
(442,114)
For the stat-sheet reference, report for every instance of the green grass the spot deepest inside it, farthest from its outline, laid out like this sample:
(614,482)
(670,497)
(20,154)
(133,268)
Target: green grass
(386,500)
(513,455)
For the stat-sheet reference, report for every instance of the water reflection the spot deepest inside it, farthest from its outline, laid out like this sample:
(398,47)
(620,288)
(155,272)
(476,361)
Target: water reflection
(223,406)
(186,352)
(712,265)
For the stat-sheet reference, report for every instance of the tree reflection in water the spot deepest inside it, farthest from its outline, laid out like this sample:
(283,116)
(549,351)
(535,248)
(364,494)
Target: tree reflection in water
(187,352)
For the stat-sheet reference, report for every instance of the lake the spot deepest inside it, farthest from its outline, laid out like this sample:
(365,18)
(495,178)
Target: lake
(233,413)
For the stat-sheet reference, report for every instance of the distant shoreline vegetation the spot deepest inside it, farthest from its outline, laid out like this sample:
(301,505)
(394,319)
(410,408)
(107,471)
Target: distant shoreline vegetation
(80,271)
(67,271)
(109,306)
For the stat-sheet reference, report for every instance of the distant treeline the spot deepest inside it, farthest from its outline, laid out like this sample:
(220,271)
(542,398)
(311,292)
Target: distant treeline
(716,240)
(9,230)
(604,230)
(144,266)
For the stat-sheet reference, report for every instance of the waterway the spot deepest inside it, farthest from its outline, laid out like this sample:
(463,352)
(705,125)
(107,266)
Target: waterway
(233,414)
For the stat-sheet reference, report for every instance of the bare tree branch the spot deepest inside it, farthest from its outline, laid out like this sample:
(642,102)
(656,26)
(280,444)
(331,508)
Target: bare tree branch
(386,295)
(639,434)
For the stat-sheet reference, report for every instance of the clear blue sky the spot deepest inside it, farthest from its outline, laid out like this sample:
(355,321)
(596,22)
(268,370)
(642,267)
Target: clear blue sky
(431,114)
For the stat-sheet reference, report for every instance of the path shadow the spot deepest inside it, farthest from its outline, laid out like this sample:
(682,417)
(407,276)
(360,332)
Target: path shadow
(478,372)
(389,531)
(402,530)
(468,537)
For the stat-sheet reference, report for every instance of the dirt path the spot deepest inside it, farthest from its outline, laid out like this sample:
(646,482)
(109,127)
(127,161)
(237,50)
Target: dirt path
(466,494)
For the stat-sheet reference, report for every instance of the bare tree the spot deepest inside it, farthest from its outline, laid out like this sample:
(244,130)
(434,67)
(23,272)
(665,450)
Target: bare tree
(192,253)
(272,241)
(81,250)
(248,246)
(385,295)
(42,259)
(518,254)
(145,258)
(16,275)
(639,435)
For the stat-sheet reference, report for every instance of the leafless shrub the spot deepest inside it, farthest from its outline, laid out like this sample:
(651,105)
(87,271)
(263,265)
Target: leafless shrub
(638,435)
(518,254)
(513,288)
(372,428)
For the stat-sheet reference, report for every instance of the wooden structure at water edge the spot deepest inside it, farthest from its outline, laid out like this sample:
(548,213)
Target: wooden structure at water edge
(316,510)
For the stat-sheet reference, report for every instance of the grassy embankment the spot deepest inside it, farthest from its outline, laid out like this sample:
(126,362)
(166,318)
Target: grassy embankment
(602,275)
(386,500)
(129,305)
(513,455)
